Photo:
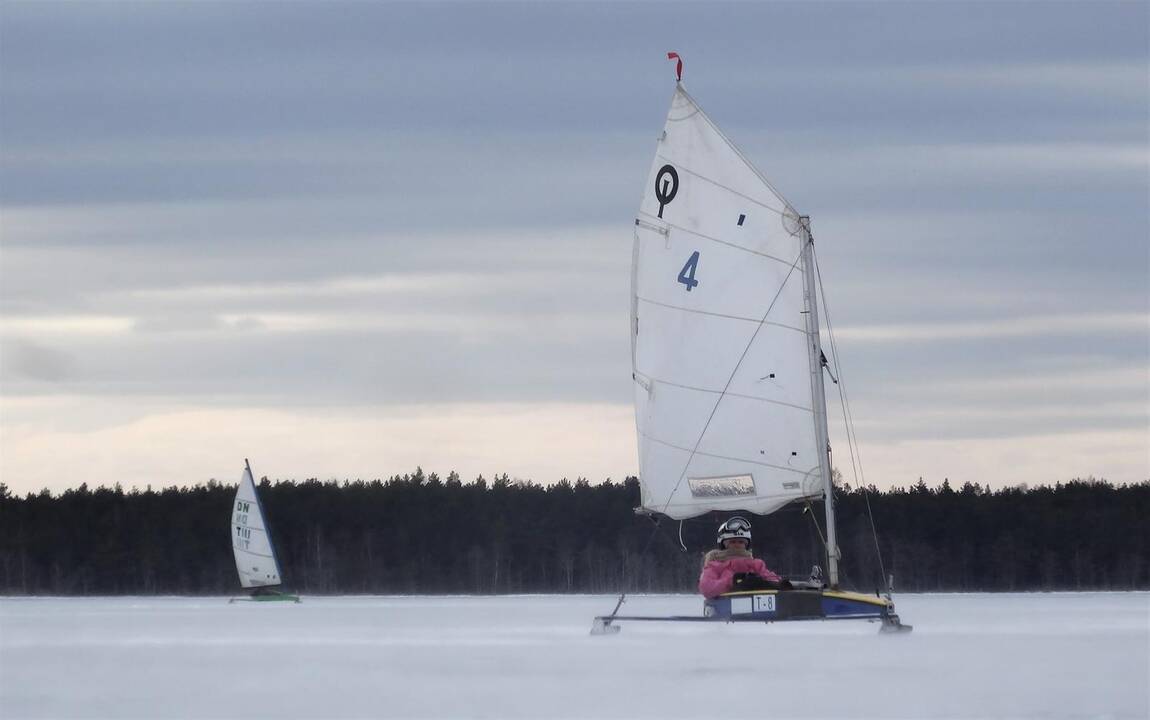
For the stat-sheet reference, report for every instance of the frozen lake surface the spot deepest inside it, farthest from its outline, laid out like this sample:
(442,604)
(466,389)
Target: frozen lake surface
(1063,655)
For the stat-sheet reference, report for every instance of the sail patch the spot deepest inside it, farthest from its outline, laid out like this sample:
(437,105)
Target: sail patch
(726,486)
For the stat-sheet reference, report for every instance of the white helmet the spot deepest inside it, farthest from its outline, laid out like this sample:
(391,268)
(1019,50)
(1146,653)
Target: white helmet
(736,527)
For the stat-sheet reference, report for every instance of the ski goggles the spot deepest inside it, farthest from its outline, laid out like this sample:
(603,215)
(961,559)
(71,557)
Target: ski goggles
(737,524)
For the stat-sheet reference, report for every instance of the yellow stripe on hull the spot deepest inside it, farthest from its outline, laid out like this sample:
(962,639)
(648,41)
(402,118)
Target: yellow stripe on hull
(854,596)
(835,594)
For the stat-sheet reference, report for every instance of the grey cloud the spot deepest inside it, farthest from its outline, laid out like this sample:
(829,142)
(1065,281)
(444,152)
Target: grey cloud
(511,268)
(34,364)
(354,368)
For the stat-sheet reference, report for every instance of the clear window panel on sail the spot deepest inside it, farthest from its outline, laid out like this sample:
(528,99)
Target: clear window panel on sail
(733,485)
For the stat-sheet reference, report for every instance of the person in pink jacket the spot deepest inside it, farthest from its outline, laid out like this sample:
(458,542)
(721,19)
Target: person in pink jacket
(733,561)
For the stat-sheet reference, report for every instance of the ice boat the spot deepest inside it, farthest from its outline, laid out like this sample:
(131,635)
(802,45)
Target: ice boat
(252,545)
(727,363)
(808,602)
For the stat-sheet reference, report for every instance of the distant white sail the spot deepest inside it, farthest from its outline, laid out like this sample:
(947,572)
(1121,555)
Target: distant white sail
(720,346)
(255,558)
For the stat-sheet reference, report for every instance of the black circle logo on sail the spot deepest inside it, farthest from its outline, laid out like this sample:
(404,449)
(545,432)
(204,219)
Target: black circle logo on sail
(666,185)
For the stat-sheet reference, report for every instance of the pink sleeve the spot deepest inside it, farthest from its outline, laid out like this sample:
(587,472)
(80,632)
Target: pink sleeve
(715,579)
(762,571)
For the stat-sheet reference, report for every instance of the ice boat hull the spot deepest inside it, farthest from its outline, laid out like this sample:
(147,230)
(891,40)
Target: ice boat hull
(777,606)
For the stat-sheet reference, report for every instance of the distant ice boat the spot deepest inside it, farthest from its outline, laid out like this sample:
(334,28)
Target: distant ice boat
(252,545)
(730,406)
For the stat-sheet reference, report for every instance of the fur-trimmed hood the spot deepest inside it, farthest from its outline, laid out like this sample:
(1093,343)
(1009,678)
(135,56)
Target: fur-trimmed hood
(725,554)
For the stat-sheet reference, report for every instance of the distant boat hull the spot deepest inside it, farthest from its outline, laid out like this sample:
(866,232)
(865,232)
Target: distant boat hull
(275,598)
(266,594)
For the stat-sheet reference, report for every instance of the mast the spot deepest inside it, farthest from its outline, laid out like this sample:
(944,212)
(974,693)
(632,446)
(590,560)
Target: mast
(819,398)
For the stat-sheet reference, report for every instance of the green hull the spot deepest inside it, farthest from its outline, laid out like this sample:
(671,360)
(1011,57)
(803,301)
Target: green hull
(268,596)
(278,597)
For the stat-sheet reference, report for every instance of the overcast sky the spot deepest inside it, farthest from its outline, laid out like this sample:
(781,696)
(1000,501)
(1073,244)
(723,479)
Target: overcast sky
(344,240)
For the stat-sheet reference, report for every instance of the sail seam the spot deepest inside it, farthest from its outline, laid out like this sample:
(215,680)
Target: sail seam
(775,501)
(724,457)
(722,315)
(688,116)
(731,190)
(250,552)
(712,238)
(729,394)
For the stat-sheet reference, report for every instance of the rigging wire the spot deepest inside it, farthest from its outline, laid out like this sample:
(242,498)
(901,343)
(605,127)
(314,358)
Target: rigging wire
(848,420)
(814,520)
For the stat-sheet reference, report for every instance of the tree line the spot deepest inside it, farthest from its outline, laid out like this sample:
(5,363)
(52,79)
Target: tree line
(422,533)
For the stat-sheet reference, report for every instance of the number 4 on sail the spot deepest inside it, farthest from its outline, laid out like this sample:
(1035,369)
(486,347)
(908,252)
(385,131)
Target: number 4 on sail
(729,401)
(687,274)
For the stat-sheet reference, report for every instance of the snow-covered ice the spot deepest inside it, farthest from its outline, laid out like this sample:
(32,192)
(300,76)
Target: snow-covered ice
(1062,655)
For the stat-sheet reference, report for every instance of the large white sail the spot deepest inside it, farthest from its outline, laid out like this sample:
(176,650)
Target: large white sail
(720,342)
(255,558)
